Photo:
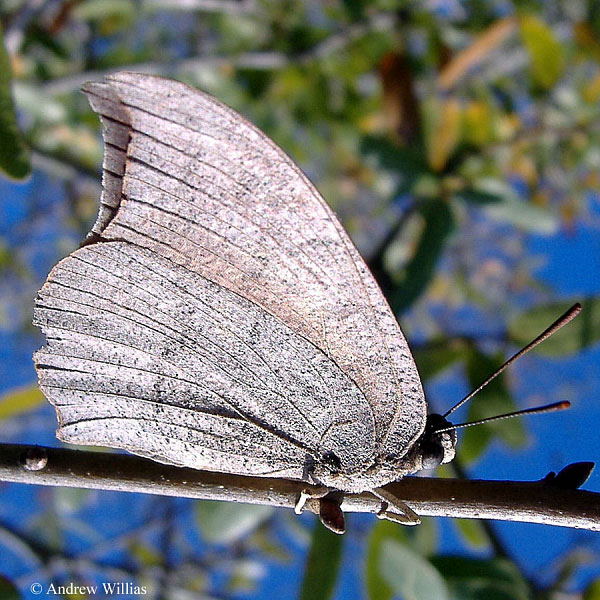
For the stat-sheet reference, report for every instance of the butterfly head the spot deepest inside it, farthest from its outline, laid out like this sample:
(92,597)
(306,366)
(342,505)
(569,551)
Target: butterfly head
(435,446)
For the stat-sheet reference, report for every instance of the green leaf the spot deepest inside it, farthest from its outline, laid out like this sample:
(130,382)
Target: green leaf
(8,591)
(20,400)
(39,35)
(97,10)
(145,554)
(486,190)
(494,399)
(474,196)
(443,129)
(355,8)
(509,208)
(477,579)
(409,575)
(6,256)
(472,532)
(592,591)
(227,522)
(322,564)
(406,163)
(264,541)
(437,356)
(377,588)
(546,52)
(68,500)
(423,539)
(479,115)
(244,574)
(9,261)
(14,155)
(572,338)
(420,269)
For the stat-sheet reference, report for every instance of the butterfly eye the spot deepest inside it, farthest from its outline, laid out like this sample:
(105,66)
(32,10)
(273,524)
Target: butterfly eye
(432,454)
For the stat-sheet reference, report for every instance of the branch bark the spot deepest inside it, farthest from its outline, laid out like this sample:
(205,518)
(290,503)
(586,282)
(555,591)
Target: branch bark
(531,501)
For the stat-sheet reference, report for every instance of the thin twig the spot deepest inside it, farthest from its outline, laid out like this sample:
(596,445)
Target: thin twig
(533,502)
(64,168)
(229,7)
(250,60)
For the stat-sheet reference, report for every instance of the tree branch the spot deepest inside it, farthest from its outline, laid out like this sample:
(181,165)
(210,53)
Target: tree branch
(257,60)
(532,502)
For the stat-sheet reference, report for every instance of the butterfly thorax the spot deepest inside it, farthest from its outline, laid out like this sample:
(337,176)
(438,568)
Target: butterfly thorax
(430,450)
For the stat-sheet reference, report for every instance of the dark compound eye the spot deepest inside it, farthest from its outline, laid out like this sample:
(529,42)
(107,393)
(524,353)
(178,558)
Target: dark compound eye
(433,454)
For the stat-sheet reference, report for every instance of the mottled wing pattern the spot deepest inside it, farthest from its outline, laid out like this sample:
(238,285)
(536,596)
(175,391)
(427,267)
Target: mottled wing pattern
(191,184)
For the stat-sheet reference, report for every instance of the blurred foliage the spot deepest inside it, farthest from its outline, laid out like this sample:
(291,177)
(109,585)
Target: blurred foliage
(421,540)
(20,401)
(584,332)
(546,52)
(227,522)
(437,225)
(494,399)
(444,133)
(14,159)
(592,592)
(474,579)
(473,533)
(409,575)
(7,590)
(322,564)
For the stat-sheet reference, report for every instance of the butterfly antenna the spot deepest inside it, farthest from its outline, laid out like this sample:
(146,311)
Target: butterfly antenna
(526,411)
(560,322)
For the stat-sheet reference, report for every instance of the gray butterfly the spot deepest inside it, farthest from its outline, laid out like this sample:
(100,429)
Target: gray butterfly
(218,316)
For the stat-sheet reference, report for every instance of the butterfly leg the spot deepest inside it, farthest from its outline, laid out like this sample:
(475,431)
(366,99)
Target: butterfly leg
(307,494)
(330,507)
(393,509)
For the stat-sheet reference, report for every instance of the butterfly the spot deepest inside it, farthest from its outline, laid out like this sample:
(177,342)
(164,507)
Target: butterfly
(219,317)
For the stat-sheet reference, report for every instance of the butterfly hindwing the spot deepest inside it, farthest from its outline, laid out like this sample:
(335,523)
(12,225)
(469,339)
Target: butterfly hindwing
(147,356)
